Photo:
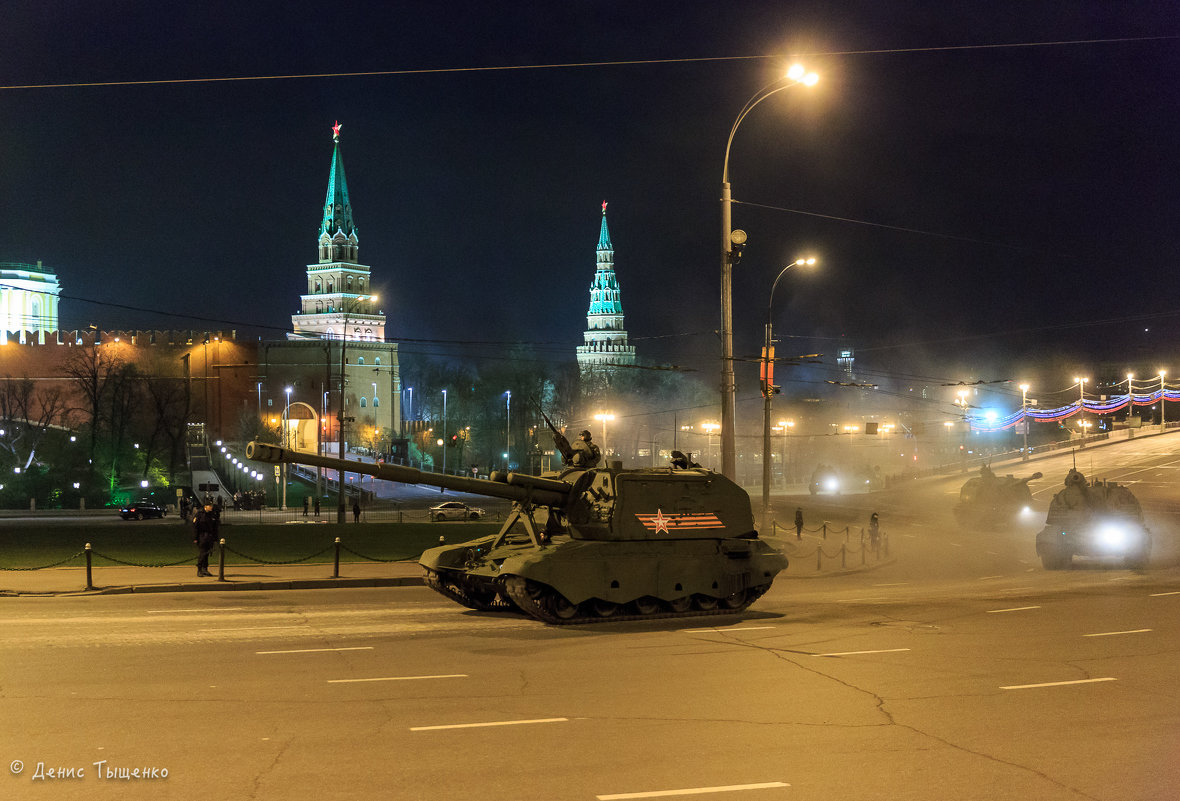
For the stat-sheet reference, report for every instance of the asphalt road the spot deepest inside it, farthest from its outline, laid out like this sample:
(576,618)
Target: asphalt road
(961,670)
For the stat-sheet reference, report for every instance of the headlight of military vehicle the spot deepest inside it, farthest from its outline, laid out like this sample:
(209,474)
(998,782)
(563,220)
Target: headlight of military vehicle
(1111,536)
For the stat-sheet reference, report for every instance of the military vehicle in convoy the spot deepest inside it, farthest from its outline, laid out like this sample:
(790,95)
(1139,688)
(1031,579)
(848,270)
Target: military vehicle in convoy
(594,543)
(1093,519)
(990,501)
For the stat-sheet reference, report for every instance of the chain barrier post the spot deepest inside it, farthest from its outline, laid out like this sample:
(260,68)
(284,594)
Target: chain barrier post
(825,528)
(221,560)
(336,565)
(89,578)
(864,552)
(819,553)
(844,555)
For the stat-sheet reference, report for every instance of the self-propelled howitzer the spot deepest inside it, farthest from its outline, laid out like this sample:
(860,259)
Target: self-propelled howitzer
(596,543)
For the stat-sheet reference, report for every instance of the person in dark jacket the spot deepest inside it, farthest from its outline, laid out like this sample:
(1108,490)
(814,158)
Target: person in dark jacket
(356,511)
(204,535)
(799,522)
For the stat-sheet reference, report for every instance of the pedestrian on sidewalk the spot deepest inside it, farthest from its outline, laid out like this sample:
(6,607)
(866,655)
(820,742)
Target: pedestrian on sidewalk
(305,506)
(798,522)
(204,535)
(356,511)
(317,506)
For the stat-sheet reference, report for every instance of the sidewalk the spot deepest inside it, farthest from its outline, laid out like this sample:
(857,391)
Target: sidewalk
(116,579)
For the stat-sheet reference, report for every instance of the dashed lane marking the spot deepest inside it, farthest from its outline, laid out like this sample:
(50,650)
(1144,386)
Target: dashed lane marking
(318,650)
(399,678)
(858,653)
(712,631)
(491,723)
(1113,633)
(1013,609)
(729,788)
(207,609)
(1056,683)
(1161,594)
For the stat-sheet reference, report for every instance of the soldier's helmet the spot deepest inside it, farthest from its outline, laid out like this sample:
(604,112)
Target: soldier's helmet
(585,434)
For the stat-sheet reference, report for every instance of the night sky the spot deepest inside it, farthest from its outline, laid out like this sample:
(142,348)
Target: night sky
(989,185)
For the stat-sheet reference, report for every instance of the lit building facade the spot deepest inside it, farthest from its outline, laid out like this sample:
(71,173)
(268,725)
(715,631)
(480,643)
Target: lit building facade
(28,302)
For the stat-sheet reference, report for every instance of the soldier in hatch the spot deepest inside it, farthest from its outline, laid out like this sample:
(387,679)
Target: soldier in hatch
(586,453)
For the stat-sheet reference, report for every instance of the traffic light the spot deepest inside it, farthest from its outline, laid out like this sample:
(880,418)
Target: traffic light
(454,440)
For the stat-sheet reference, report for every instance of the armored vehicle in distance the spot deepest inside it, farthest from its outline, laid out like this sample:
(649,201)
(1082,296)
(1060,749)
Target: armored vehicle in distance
(1093,519)
(595,543)
(989,501)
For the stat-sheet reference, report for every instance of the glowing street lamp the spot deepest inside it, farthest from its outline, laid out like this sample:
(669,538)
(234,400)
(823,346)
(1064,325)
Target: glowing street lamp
(604,416)
(768,388)
(440,442)
(732,242)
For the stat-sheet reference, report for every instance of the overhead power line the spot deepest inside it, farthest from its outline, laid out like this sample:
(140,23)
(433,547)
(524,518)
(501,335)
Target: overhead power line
(579,64)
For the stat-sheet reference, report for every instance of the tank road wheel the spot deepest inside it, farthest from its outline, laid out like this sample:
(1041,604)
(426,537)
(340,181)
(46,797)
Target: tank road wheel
(645,605)
(735,601)
(705,603)
(561,608)
(681,604)
(603,608)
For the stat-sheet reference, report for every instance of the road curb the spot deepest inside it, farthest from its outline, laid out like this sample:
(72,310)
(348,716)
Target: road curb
(231,585)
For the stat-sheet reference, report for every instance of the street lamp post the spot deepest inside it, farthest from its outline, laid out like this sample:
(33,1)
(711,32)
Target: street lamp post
(340,412)
(768,388)
(444,438)
(1163,399)
(508,429)
(1081,407)
(1024,418)
(286,444)
(731,244)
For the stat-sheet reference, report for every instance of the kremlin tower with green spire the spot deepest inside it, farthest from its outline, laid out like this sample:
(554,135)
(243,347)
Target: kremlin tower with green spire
(338,286)
(605,340)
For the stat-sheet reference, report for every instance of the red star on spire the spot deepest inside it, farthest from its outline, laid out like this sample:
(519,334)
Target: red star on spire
(604,207)
(336,134)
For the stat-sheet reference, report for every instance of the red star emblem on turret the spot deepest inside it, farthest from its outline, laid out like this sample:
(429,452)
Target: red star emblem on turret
(336,132)
(604,207)
(660,521)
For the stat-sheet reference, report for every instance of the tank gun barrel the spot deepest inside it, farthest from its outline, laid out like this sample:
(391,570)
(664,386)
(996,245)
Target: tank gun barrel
(518,487)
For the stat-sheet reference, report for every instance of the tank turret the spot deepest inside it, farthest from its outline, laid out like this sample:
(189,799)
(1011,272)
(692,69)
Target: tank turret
(1093,519)
(594,543)
(991,501)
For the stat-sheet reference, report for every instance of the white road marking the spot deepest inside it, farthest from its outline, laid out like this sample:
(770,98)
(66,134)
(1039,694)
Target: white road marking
(992,553)
(985,578)
(731,788)
(259,628)
(744,628)
(492,723)
(856,653)
(894,584)
(217,609)
(1113,633)
(955,544)
(1056,683)
(399,678)
(1013,609)
(1160,594)
(318,650)
(872,599)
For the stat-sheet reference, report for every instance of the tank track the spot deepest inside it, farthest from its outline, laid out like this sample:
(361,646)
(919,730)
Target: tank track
(535,605)
(461,596)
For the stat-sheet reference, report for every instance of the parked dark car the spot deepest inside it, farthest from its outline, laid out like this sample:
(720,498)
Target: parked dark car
(138,510)
(454,510)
